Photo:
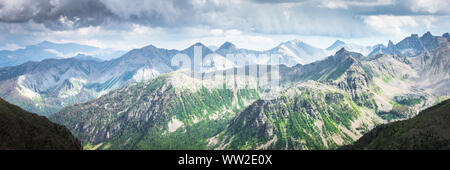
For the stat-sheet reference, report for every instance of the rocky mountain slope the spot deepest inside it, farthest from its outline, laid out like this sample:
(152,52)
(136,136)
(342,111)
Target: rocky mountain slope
(412,45)
(21,130)
(164,113)
(307,116)
(428,130)
(44,87)
(329,104)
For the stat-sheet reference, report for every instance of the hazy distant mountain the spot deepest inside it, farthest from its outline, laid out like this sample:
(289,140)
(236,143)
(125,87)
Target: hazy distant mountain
(230,48)
(46,50)
(42,51)
(412,45)
(21,130)
(298,52)
(213,47)
(46,86)
(85,57)
(364,50)
(292,53)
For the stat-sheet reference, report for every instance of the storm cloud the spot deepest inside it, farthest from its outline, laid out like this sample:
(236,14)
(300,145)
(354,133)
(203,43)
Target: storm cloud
(56,14)
(255,15)
(333,18)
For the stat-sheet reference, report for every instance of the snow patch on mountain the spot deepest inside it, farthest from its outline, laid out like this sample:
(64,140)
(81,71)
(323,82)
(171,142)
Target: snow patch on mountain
(24,91)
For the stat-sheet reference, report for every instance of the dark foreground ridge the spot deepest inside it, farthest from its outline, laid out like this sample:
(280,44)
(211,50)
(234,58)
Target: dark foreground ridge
(430,130)
(22,130)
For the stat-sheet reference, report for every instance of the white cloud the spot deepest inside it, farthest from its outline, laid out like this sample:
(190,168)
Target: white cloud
(398,26)
(333,4)
(10,47)
(431,6)
(57,53)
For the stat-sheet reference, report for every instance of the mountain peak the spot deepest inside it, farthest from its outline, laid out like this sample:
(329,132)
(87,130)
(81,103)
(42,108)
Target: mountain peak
(198,44)
(294,41)
(45,42)
(415,35)
(341,51)
(337,43)
(227,45)
(427,37)
(204,48)
(150,46)
(446,35)
(427,34)
(390,44)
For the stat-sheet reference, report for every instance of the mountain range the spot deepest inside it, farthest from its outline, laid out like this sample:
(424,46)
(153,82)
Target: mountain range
(322,105)
(412,45)
(46,86)
(47,50)
(142,100)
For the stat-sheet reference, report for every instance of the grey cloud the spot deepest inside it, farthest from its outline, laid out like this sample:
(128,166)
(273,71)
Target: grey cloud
(18,11)
(304,17)
(63,14)
(79,13)
(393,7)
(278,1)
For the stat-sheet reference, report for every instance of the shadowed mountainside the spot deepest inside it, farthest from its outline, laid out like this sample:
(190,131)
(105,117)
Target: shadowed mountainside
(428,130)
(22,130)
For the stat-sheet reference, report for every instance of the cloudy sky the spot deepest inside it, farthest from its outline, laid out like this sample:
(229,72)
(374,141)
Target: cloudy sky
(253,24)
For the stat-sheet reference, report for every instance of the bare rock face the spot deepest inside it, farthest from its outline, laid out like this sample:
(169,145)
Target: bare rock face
(21,130)
(413,45)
